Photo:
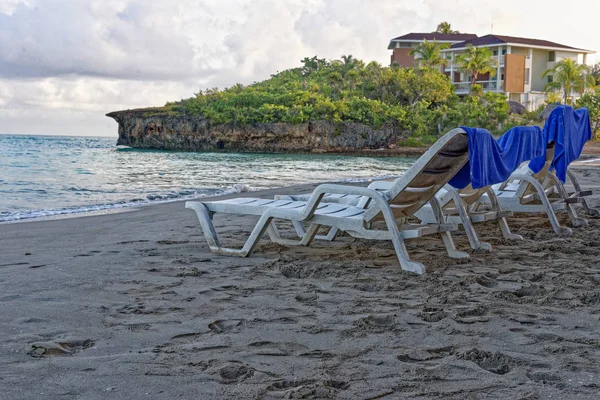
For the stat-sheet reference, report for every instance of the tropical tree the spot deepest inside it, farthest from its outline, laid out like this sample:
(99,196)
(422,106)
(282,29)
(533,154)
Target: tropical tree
(349,61)
(475,61)
(595,72)
(591,100)
(445,27)
(428,54)
(568,76)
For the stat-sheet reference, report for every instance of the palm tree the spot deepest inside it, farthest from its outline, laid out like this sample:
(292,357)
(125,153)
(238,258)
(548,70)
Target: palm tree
(475,61)
(349,61)
(568,76)
(428,54)
(595,72)
(444,27)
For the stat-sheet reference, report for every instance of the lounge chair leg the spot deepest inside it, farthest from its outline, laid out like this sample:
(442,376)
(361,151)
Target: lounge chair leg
(211,235)
(405,263)
(502,221)
(506,230)
(398,241)
(575,220)
(451,248)
(589,210)
(305,240)
(467,224)
(541,193)
(299,228)
(330,236)
(446,236)
(562,192)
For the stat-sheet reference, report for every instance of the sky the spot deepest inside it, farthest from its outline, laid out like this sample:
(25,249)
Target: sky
(65,63)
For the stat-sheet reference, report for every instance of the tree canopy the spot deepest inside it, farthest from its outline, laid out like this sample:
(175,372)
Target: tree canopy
(419,102)
(428,55)
(445,27)
(568,77)
(475,61)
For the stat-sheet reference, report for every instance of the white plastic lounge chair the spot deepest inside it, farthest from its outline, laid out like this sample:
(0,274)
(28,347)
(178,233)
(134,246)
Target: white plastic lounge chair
(385,217)
(466,213)
(528,192)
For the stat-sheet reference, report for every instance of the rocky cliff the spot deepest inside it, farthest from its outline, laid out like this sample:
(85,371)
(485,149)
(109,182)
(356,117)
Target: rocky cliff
(160,129)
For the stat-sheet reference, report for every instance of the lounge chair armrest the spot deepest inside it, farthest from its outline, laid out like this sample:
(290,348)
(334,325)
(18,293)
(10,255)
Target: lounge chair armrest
(317,196)
(346,189)
(381,185)
(531,180)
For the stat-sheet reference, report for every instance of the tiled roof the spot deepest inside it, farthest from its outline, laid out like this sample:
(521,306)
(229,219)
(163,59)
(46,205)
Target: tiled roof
(499,39)
(437,36)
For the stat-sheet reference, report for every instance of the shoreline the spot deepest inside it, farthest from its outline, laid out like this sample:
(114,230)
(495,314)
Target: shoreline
(590,160)
(136,207)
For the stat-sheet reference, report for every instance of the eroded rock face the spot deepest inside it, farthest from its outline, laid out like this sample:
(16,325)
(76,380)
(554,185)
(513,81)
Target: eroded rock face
(156,129)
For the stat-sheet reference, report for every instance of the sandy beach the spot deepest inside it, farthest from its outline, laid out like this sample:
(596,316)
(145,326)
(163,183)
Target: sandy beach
(133,305)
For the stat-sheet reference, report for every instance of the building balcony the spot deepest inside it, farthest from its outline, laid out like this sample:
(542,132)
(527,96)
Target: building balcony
(487,86)
(455,65)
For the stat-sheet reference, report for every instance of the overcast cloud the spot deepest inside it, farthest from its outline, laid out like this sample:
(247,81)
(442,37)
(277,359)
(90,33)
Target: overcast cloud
(65,63)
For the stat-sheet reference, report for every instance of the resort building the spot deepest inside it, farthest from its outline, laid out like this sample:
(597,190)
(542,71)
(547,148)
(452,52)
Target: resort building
(520,62)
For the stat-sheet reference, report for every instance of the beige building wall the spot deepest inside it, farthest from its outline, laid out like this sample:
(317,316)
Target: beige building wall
(539,61)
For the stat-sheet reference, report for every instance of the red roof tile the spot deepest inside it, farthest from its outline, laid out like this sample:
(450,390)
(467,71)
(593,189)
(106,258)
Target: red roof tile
(499,39)
(437,36)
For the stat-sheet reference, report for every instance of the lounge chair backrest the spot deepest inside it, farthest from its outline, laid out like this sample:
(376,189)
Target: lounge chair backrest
(526,189)
(427,176)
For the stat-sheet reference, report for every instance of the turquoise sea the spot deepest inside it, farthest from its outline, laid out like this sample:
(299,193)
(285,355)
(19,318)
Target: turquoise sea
(53,175)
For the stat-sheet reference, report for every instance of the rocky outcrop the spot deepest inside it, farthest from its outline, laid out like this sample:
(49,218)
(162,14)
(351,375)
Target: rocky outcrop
(514,107)
(159,129)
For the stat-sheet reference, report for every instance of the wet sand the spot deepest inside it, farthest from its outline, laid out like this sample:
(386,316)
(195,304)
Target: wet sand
(134,305)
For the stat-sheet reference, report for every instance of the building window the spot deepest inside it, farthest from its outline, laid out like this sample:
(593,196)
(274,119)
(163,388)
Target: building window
(549,78)
(527,76)
(504,52)
(551,56)
(495,52)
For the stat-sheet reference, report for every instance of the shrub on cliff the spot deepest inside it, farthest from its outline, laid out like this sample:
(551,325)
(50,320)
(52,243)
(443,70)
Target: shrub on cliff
(420,102)
(326,90)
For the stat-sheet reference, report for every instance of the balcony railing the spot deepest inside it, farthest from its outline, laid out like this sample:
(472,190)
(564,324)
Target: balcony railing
(455,64)
(485,85)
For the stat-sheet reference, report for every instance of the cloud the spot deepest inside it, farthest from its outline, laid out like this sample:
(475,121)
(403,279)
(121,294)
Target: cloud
(64,60)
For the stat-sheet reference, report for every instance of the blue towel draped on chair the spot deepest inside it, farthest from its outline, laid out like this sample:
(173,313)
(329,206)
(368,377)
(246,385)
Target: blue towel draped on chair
(492,161)
(570,129)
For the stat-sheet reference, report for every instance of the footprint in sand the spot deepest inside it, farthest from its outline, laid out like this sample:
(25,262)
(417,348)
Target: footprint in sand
(496,363)
(433,314)
(235,373)
(277,349)
(310,298)
(543,377)
(471,315)
(221,326)
(373,324)
(61,347)
(306,389)
(417,355)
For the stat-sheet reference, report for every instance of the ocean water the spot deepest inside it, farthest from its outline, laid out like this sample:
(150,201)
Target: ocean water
(53,175)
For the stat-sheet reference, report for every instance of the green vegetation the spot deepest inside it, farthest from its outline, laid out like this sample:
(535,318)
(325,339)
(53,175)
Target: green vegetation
(475,61)
(427,54)
(419,102)
(445,27)
(591,100)
(568,76)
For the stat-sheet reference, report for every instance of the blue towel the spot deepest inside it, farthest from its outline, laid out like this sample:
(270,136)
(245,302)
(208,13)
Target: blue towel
(569,129)
(492,161)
